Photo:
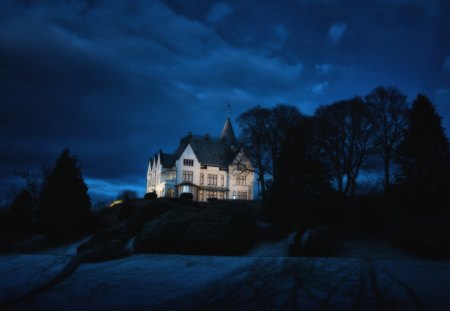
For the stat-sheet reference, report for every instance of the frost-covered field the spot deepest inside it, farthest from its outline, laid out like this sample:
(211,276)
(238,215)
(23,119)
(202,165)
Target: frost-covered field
(261,281)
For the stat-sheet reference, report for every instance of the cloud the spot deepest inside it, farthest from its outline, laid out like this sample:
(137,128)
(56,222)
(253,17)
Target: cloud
(319,88)
(336,32)
(323,69)
(281,35)
(116,81)
(218,13)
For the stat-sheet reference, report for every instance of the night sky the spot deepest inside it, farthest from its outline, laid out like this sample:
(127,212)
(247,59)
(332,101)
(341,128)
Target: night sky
(115,81)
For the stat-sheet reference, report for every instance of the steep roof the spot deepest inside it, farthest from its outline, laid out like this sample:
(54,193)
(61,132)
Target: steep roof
(216,151)
(228,133)
(168,160)
(209,150)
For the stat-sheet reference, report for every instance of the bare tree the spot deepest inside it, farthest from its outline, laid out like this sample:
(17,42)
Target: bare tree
(263,132)
(283,119)
(389,109)
(345,135)
(254,139)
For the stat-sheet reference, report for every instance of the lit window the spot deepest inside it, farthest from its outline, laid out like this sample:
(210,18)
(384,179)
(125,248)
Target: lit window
(186,189)
(211,194)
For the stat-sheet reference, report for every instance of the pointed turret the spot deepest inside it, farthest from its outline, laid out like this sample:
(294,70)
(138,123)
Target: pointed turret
(228,133)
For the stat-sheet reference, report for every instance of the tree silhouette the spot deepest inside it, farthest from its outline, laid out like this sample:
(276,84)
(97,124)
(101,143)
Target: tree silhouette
(424,156)
(345,134)
(389,110)
(64,209)
(262,133)
(254,139)
(302,174)
(20,215)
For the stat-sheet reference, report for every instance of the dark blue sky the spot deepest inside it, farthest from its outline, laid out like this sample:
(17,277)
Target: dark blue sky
(115,81)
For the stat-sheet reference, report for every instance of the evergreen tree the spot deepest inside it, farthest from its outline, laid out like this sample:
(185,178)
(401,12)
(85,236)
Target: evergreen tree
(20,220)
(64,210)
(424,156)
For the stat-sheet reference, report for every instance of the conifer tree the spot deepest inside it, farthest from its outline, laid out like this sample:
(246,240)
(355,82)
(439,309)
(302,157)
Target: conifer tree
(64,210)
(424,156)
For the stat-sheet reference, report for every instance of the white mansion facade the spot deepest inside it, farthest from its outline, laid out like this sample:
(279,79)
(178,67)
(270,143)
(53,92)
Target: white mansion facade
(207,167)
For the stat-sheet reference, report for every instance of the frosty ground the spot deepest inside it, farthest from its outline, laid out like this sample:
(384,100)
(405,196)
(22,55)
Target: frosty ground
(264,279)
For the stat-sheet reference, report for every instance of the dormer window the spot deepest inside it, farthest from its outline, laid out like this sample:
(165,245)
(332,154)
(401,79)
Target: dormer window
(188,162)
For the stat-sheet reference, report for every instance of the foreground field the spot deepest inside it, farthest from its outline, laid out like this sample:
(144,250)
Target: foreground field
(257,282)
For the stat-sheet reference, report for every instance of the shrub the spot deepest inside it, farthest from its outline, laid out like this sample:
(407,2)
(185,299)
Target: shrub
(219,229)
(165,233)
(151,196)
(429,236)
(187,196)
(21,213)
(318,241)
(125,209)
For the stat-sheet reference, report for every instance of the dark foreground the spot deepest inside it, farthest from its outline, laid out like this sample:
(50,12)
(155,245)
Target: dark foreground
(172,282)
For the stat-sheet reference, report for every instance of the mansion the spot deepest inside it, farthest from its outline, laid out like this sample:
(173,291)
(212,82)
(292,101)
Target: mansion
(207,167)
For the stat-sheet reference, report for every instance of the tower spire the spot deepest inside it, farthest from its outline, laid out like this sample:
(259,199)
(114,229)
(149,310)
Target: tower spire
(228,133)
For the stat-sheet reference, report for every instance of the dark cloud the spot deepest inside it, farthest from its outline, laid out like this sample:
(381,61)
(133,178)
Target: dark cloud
(115,81)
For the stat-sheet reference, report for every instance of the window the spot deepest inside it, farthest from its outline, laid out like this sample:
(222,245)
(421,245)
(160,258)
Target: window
(212,180)
(234,195)
(202,178)
(242,195)
(211,194)
(221,195)
(188,176)
(222,180)
(188,162)
(241,180)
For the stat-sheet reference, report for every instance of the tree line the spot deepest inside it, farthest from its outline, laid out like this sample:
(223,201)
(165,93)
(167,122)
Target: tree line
(55,203)
(297,156)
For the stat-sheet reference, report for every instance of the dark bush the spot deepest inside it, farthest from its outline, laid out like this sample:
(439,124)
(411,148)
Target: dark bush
(119,233)
(221,230)
(218,229)
(318,241)
(125,209)
(428,236)
(165,233)
(187,196)
(21,213)
(151,196)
